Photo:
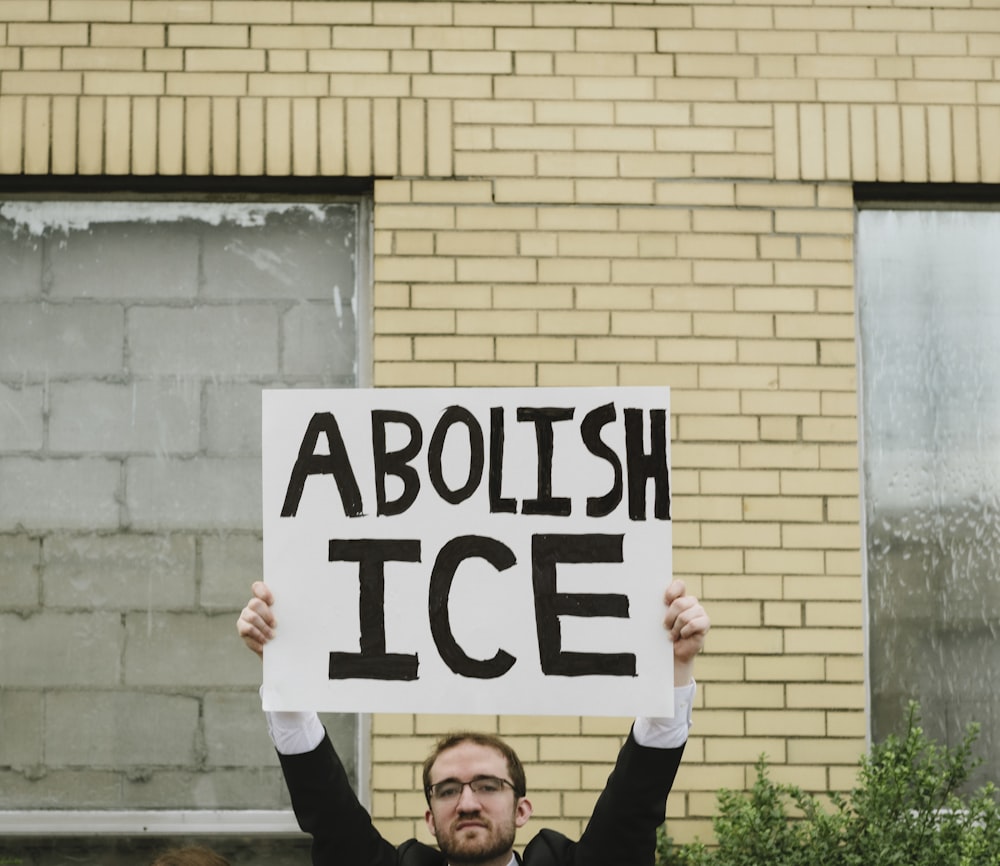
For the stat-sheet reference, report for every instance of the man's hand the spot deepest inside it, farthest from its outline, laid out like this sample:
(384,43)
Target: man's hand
(687,624)
(256,622)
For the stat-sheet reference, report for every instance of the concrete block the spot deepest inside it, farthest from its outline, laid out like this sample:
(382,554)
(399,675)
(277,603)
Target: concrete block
(119,572)
(61,649)
(145,417)
(247,788)
(112,730)
(20,417)
(321,340)
(66,494)
(65,789)
(229,564)
(138,258)
(187,650)
(236,731)
(202,493)
(19,559)
(233,419)
(229,340)
(21,723)
(295,253)
(43,340)
(20,262)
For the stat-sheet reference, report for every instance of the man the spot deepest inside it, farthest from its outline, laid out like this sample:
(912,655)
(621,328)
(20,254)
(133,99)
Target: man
(474,783)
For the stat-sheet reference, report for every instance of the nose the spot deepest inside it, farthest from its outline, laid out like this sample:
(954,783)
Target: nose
(468,801)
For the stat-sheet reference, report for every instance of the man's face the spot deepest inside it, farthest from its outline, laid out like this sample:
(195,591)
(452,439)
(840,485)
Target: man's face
(475,828)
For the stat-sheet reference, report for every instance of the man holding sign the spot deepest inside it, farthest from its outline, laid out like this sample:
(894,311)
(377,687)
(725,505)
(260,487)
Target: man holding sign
(475,785)
(491,551)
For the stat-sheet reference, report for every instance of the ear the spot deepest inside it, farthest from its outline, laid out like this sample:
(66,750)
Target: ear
(429,820)
(522,811)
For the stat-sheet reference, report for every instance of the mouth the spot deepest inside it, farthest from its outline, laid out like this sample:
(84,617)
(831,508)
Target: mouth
(470,824)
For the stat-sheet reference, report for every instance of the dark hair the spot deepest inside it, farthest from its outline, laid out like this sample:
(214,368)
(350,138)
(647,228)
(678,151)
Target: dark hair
(193,855)
(449,741)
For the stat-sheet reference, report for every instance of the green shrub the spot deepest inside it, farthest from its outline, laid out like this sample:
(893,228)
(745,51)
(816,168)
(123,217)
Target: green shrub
(907,809)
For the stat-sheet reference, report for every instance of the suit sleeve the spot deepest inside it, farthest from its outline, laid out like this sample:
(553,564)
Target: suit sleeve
(327,809)
(622,829)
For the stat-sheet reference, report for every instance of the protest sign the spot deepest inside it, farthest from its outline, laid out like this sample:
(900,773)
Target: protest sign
(468,550)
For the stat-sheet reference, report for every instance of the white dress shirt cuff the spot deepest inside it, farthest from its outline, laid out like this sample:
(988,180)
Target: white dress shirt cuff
(294,733)
(663,733)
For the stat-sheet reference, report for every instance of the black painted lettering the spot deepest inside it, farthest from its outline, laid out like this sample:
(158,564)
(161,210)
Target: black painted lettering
(546,552)
(451,416)
(643,466)
(395,462)
(448,560)
(590,431)
(373,662)
(336,463)
(543,418)
(498,504)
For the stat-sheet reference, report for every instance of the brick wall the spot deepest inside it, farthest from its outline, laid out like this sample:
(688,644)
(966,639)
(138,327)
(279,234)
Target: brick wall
(584,193)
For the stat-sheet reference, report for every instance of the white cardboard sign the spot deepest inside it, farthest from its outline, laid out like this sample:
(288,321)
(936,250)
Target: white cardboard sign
(468,550)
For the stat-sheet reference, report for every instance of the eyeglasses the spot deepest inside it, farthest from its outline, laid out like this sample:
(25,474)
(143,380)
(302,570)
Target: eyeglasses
(483,786)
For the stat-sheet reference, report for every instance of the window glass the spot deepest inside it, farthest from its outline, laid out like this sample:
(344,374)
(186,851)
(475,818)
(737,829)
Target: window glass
(928,287)
(135,340)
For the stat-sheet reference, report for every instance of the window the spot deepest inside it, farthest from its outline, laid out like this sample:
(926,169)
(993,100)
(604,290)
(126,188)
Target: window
(928,294)
(135,339)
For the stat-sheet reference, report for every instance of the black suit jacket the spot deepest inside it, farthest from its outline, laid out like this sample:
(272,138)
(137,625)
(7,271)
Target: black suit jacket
(621,831)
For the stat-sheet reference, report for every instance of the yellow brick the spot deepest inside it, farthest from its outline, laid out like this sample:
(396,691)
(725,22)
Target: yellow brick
(448,296)
(519,322)
(784,508)
(264,11)
(206,84)
(822,696)
(224,60)
(171,10)
(612,349)
(828,613)
(537,296)
(414,375)
(743,586)
(827,751)
(345,60)
(747,749)
(845,669)
(60,35)
(784,562)
(690,351)
(570,270)
(743,695)
(783,456)
(717,245)
(576,375)
(207,35)
(117,135)
(776,429)
(392,349)
(251,136)
(63,135)
(842,640)
(102,58)
(746,641)
(24,10)
(847,724)
(740,482)
(164,59)
(412,244)
(123,83)
(487,269)
(535,349)
(170,147)
(789,723)
(144,135)
(453,348)
(494,375)
(403,60)
(772,351)
(42,83)
(719,428)
(729,272)
(37,133)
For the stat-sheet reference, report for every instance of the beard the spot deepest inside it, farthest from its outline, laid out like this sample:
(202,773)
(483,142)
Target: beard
(464,849)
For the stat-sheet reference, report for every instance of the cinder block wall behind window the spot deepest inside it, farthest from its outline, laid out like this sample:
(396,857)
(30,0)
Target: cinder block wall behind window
(584,193)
